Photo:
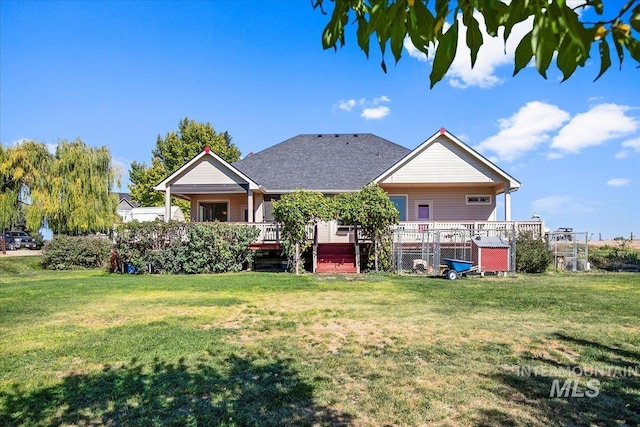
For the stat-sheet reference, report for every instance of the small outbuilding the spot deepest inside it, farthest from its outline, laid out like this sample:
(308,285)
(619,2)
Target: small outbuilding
(491,254)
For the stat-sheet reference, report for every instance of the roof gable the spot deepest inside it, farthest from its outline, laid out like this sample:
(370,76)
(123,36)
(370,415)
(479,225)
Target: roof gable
(443,158)
(206,168)
(322,162)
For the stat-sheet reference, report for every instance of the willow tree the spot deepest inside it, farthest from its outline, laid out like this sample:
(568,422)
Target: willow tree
(76,196)
(23,167)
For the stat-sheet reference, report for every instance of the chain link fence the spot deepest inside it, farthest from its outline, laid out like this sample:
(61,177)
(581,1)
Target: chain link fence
(570,250)
(421,251)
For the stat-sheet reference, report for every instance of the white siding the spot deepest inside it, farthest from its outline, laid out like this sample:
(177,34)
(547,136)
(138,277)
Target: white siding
(448,204)
(208,171)
(443,162)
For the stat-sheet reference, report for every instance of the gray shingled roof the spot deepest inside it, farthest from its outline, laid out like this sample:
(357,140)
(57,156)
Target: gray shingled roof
(127,197)
(322,162)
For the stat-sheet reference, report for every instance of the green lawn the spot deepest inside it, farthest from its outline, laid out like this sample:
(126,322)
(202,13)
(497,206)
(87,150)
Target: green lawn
(91,348)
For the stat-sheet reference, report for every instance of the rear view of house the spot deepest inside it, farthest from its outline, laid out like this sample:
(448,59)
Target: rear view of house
(443,183)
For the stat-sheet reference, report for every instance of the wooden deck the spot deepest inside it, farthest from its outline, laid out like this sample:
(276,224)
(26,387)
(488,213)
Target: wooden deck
(332,232)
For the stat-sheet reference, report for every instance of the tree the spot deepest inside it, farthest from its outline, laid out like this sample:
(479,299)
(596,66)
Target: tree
(373,212)
(532,254)
(171,152)
(22,168)
(558,30)
(296,211)
(74,192)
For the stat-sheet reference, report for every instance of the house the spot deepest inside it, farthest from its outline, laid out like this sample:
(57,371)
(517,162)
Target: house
(154,213)
(443,183)
(125,204)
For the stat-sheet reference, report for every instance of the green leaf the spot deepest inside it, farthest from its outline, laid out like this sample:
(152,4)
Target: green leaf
(364,35)
(524,53)
(567,59)
(543,44)
(421,27)
(398,30)
(494,13)
(635,18)
(517,13)
(605,58)
(474,36)
(446,51)
(618,42)
(633,46)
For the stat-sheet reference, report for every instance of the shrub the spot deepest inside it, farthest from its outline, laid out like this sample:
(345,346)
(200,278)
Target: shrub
(614,259)
(532,254)
(66,253)
(185,248)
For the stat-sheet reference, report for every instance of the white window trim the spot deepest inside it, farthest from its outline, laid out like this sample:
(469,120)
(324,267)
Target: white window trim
(227,201)
(406,203)
(478,203)
(417,203)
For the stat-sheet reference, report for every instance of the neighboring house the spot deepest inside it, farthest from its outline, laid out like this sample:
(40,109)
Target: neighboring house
(443,183)
(154,213)
(125,204)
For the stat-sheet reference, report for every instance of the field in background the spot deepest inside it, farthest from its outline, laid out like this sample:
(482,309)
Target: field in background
(86,347)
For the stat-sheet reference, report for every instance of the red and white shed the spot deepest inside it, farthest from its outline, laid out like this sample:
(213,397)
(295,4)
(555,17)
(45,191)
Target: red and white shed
(491,254)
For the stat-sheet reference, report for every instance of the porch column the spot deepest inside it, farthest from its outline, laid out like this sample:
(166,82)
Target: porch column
(250,213)
(167,204)
(259,208)
(507,201)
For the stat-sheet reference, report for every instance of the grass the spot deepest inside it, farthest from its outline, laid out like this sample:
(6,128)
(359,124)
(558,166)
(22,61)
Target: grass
(90,348)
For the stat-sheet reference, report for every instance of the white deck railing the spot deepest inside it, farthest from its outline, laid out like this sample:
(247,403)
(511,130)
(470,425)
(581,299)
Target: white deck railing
(331,232)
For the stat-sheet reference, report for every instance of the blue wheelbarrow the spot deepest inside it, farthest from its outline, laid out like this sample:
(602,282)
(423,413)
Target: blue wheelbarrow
(456,267)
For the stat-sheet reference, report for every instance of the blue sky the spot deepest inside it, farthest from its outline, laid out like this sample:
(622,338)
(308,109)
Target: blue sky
(119,73)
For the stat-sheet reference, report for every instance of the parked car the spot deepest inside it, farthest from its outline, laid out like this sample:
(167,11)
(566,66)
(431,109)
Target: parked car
(9,242)
(21,240)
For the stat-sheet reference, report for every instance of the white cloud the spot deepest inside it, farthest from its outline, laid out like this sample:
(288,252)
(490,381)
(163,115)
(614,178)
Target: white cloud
(525,130)
(380,99)
(554,155)
(561,204)
(618,182)
(347,105)
(370,109)
(492,55)
(375,113)
(415,53)
(632,143)
(598,125)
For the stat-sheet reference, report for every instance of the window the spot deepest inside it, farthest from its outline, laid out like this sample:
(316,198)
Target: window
(423,210)
(401,205)
(214,211)
(479,200)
